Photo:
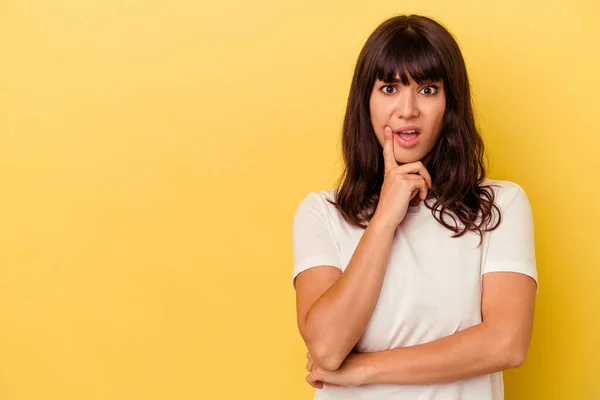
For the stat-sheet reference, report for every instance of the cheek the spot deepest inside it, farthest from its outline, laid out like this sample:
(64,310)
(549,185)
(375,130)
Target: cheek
(440,119)
(379,112)
(437,117)
(442,110)
(377,119)
(374,112)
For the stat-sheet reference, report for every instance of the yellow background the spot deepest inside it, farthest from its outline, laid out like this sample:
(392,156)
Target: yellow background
(152,154)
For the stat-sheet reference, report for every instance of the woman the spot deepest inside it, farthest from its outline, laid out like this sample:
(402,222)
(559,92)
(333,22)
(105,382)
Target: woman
(416,277)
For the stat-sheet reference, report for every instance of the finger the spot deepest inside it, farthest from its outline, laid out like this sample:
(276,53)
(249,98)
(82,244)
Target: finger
(389,158)
(418,186)
(313,384)
(309,365)
(414,193)
(417,168)
(313,380)
(423,189)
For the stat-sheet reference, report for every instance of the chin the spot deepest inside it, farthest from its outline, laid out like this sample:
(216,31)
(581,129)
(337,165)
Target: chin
(407,160)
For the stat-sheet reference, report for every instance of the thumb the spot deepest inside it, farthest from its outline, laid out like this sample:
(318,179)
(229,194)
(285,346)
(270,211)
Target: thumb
(322,375)
(314,377)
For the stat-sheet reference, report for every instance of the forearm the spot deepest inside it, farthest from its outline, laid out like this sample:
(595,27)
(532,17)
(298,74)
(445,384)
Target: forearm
(478,350)
(339,317)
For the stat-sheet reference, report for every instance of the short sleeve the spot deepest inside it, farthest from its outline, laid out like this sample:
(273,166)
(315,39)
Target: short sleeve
(511,245)
(312,241)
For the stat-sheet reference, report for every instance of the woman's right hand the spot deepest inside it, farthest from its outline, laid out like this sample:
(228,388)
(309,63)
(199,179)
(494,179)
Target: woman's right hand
(400,184)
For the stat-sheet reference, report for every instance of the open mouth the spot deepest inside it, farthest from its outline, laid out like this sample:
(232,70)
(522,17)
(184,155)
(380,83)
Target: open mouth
(408,137)
(409,134)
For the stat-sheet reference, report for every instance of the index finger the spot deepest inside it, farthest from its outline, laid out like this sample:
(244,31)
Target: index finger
(389,158)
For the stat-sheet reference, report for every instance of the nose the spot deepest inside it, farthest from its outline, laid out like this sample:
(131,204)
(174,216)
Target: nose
(407,106)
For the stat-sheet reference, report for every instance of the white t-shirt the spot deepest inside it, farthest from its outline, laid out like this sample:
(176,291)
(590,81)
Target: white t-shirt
(432,285)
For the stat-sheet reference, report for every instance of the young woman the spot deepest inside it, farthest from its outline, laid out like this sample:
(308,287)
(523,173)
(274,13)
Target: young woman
(416,277)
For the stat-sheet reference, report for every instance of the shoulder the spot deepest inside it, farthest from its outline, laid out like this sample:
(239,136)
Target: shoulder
(506,192)
(318,199)
(317,202)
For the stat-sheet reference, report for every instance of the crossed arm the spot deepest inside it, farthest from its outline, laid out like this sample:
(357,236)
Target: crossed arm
(500,342)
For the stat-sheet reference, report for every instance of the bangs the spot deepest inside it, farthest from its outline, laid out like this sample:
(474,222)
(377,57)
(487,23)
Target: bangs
(408,54)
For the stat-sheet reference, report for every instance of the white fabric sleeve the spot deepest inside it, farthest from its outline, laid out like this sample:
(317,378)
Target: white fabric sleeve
(511,245)
(312,241)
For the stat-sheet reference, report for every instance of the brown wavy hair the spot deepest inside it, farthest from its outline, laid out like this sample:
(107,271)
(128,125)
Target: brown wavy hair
(422,48)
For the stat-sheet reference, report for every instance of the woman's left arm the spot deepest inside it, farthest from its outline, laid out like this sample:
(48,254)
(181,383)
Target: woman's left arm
(500,342)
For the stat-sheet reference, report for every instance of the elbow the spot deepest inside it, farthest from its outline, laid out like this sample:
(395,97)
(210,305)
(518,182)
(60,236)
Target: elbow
(513,354)
(325,354)
(516,359)
(331,362)
(327,358)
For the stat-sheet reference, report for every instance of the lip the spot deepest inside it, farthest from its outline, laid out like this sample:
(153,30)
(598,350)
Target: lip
(407,128)
(404,142)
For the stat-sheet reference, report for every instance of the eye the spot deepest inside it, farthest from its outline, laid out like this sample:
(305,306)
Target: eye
(429,90)
(385,88)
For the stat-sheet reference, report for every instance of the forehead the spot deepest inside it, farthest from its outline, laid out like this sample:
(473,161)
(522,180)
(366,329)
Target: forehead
(409,57)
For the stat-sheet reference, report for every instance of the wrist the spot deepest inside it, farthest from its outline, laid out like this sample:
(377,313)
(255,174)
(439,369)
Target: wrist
(382,225)
(369,370)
